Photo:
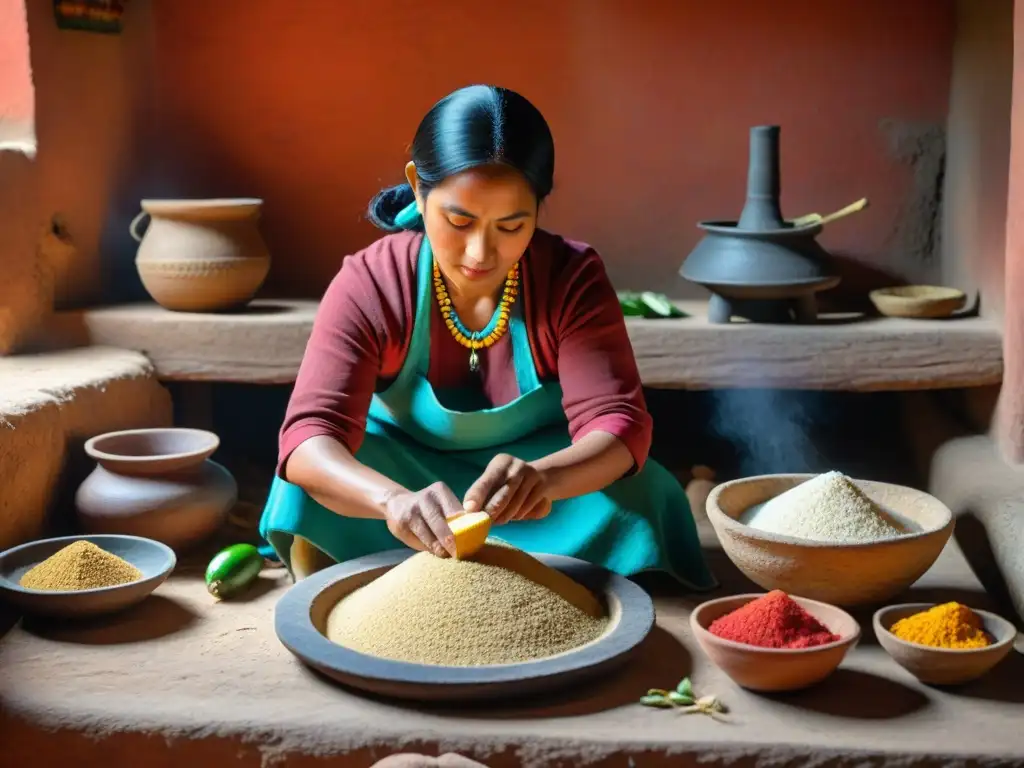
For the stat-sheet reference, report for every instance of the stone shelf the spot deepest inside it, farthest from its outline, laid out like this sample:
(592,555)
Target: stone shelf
(264,345)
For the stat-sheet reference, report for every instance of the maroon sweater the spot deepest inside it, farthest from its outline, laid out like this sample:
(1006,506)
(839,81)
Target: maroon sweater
(364,324)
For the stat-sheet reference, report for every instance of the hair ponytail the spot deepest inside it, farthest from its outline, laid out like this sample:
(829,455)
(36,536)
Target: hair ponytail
(472,127)
(387,203)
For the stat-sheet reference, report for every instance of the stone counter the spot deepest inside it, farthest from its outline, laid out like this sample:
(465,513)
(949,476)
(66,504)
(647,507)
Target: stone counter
(183,681)
(264,345)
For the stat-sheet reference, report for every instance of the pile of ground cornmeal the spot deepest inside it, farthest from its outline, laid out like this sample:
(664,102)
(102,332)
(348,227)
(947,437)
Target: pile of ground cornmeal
(501,607)
(829,507)
(78,566)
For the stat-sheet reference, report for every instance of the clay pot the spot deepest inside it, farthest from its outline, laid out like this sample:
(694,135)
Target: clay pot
(201,255)
(156,483)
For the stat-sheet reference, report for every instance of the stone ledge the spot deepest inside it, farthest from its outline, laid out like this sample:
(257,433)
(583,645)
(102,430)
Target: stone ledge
(211,680)
(49,404)
(265,346)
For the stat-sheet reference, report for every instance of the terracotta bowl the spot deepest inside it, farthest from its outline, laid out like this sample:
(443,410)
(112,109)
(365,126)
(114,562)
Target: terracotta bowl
(943,666)
(156,483)
(774,669)
(921,301)
(152,451)
(842,574)
(155,560)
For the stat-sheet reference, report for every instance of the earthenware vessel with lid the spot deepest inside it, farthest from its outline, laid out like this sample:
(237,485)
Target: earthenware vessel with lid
(201,255)
(156,483)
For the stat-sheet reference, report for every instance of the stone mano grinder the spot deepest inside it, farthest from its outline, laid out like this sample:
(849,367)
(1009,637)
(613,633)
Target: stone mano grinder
(763,268)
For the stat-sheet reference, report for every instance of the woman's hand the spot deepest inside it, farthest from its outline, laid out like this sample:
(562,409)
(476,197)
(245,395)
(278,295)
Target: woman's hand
(419,519)
(509,489)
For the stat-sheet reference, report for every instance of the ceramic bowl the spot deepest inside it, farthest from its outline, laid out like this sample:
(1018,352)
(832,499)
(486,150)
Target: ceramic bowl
(921,301)
(156,483)
(774,669)
(856,573)
(155,560)
(943,666)
(301,616)
(157,450)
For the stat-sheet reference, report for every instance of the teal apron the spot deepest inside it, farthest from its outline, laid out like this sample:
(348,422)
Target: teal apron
(640,522)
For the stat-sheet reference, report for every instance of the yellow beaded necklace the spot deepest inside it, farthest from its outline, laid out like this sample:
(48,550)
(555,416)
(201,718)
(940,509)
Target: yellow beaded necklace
(477,340)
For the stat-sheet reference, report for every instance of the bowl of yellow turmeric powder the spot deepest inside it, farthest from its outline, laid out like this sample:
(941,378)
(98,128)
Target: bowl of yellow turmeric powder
(78,576)
(945,644)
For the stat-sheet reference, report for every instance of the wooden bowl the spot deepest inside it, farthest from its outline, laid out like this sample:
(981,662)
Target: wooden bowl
(841,574)
(301,619)
(921,301)
(943,666)
(774,669)
(155,560)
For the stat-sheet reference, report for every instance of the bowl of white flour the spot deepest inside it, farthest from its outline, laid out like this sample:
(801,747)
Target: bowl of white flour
(829,537)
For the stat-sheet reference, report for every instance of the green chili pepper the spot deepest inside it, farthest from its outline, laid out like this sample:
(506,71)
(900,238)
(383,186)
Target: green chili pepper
(233,569)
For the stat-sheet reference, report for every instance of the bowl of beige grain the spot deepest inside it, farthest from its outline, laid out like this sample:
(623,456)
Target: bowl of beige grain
(83,576)
(829,537)
(499,626)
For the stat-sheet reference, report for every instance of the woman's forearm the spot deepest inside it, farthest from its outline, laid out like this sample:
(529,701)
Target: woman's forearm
(591,464)
(328,472)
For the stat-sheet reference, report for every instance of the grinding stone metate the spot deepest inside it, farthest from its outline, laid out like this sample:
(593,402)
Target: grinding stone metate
(209,683)
(301,619)
(155,560)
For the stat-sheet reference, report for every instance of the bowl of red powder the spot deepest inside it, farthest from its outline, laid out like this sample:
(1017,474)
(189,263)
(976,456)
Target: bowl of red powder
(774,642)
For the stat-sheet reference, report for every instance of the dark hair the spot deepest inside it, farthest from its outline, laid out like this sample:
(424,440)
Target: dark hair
(472,127)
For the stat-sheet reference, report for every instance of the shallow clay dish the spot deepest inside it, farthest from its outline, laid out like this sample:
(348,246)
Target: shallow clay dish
(841,574)
(301,618)
(774,669)
(922,301)
(155,560)
(943,666)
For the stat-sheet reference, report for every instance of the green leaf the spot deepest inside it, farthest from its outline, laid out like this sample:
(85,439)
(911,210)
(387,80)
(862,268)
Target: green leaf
(658,303)
(633,307)
(656,701)
(680,699)
(685,688)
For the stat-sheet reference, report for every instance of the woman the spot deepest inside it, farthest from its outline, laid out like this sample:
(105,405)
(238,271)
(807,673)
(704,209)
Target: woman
(471,361)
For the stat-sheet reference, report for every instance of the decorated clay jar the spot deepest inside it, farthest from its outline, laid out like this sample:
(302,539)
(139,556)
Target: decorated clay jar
(201,255)
(157,483)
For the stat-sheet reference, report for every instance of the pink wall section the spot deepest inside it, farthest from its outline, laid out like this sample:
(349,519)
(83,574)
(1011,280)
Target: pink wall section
(16,95)
(312,105)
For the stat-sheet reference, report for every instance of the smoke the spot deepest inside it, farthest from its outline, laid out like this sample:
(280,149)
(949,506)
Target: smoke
(771,429)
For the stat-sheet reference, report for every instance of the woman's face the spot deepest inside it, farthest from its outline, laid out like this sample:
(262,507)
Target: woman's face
(479,223)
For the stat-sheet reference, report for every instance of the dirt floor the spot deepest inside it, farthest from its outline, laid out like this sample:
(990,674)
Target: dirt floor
(182,680)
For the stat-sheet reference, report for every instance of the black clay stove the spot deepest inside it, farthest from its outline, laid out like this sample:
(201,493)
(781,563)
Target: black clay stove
(760,268)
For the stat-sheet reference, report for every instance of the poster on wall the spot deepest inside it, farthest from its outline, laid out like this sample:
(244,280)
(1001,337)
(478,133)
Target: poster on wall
(102,16)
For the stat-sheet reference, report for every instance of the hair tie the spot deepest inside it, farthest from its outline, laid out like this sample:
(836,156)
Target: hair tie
(408,217)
